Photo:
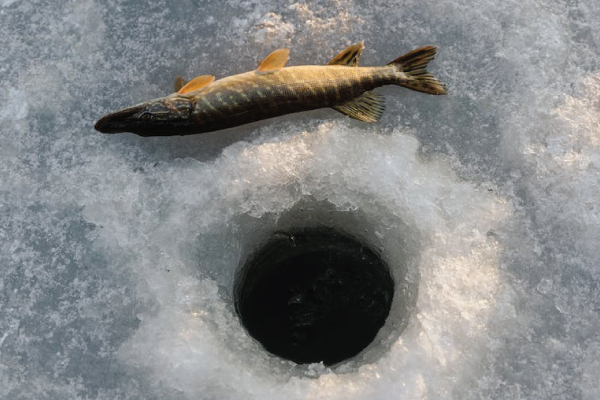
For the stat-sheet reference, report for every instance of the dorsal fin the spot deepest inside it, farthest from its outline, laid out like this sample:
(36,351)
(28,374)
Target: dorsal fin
(197,83)
(274,61)
(367,107)
(349,56)
(179,83)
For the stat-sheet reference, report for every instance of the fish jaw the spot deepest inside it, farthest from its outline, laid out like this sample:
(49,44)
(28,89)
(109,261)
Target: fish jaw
(120,121)
(159,117)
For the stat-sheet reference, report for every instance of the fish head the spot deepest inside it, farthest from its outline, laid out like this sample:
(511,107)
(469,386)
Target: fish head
(165,116)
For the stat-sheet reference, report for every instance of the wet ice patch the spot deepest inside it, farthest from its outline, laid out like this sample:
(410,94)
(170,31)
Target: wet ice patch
(272,29)
(15,105)
(7,3)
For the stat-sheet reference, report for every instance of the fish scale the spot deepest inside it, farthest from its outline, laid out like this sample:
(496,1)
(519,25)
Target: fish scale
(205,104)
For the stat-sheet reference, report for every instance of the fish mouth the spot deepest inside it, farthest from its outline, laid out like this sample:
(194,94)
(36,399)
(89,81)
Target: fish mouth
(120,121)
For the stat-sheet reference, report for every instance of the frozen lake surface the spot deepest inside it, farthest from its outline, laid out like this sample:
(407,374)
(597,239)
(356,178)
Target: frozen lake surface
(119,253)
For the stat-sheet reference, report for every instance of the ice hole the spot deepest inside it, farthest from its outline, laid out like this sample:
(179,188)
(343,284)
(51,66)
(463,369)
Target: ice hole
(314,295)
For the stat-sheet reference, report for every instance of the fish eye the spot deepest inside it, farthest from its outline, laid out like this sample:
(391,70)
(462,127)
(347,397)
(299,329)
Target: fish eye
(146,115)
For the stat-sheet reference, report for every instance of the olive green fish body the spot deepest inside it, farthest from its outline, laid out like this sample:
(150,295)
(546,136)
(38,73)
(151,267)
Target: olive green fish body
(205,105)
(250,97)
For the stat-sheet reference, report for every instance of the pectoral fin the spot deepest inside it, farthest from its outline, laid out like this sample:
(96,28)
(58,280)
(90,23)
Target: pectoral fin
(197,83)
(179,83)
(367,107)
(348,57)
(274,61)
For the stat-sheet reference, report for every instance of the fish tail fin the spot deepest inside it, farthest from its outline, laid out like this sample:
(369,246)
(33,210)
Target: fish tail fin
(413,66)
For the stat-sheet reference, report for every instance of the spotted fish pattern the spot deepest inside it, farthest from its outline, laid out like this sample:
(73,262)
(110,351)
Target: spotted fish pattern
(205,104)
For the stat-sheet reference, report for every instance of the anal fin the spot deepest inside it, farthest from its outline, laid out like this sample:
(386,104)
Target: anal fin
(367,107)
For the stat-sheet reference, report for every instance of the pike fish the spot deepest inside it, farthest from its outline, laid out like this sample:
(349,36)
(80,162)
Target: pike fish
(205,104)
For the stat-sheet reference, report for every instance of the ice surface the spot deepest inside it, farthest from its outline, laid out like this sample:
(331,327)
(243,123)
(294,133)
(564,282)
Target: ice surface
(118,253)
